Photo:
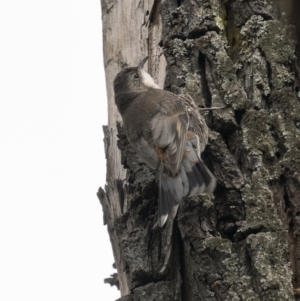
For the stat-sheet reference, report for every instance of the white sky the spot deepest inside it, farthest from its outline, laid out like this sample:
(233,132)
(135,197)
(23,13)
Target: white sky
(53,245)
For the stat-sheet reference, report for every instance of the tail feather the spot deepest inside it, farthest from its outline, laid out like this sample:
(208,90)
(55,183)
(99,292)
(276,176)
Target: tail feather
(185,181)
(163,205)
(193,178)
(170,193)
(209,179)
(197,186)
(201,180)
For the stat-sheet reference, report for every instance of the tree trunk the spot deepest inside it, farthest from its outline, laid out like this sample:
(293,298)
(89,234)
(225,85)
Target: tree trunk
(242,242)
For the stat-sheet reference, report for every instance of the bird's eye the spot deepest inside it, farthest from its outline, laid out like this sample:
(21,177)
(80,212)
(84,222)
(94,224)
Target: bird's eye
(136,75)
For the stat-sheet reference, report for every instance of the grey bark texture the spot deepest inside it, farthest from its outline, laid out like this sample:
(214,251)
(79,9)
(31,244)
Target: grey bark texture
(242,243)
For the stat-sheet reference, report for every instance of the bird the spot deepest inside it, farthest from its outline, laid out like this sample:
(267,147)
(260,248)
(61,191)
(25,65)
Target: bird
(168,133)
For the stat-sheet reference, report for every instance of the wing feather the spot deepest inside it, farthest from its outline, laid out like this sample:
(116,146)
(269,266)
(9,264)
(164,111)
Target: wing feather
(147,152)
(169,131)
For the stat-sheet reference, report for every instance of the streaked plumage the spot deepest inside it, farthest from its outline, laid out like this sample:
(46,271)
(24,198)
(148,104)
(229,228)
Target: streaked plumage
(164,129)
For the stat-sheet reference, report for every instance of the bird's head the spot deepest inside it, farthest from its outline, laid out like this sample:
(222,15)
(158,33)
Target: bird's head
(133,79)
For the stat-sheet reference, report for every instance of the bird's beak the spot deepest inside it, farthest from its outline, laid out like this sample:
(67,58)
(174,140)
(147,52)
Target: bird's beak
(143,61)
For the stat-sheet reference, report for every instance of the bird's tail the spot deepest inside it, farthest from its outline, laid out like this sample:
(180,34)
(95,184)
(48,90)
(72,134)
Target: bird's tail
(193,178)
(170,194)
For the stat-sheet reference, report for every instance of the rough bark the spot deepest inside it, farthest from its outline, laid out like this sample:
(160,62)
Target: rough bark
(242,242)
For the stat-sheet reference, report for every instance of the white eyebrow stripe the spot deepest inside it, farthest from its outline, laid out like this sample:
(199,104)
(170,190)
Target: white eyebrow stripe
(148,81)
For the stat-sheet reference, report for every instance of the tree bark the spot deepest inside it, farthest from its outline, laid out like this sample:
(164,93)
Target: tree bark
(242,242)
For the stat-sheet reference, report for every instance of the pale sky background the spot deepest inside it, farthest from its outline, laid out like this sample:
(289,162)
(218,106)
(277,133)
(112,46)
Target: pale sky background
(53,245)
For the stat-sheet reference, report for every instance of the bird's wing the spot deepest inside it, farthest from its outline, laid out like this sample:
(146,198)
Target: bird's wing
(169,132)
(147,152)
